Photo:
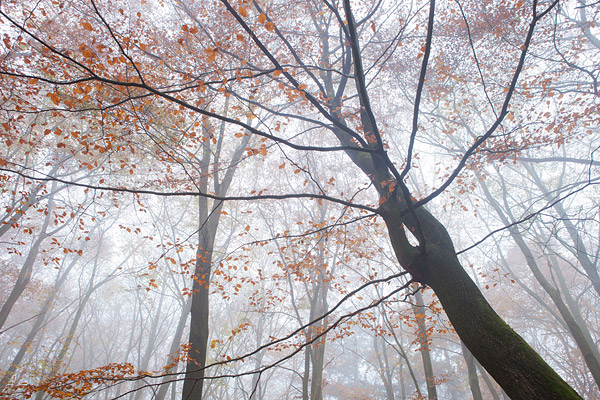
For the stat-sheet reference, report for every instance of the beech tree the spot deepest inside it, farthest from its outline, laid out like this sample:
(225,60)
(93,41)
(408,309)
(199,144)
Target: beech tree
(373,86)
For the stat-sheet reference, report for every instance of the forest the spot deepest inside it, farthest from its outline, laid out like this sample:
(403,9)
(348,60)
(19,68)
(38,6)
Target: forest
(299,199)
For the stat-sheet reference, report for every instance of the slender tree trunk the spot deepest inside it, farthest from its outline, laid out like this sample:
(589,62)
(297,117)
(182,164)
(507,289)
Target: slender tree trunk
(25,347)
(27,268)
(573,307)
(166,381)
(57,363)
(472,373)
(400,350)
(580,250)
(39,321)
(576,331)
(402,384)
(384,368)
(488,382)
(306,373)
(209,217)
(419,311)
(150,344)
(11,219)
(257,387)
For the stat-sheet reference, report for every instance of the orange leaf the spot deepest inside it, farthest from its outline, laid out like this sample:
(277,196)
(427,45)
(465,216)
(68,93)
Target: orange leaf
(87,26)
(262,18)
(277,72)
(55,99)
(87,53)
(243,12)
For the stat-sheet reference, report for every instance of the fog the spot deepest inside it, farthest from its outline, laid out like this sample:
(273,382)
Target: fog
(299,200)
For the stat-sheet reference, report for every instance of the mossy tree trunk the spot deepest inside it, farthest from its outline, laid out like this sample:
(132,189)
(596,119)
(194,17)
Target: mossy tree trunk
(517,368)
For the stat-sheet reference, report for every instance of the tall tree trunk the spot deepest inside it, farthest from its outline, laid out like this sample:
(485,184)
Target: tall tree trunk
(166,381)
(150,344)
(208,217)
(39,321)
(257,387)
(419,311)
(318,348)
(306,373)
(503,353)
(573,306)
(521,372)
(576,331)
(27,268)
(193,384)
(580,250)
(472,373)
(385,372)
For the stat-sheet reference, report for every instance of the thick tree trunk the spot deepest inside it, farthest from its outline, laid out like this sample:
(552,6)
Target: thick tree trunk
(519,370)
